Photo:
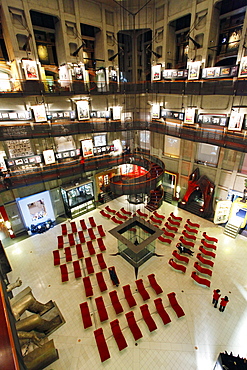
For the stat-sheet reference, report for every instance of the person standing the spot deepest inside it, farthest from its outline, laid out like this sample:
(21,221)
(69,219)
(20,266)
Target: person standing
(223,303)
(216,296)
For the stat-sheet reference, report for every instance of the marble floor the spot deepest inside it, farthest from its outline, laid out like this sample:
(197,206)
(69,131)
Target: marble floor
(192,342)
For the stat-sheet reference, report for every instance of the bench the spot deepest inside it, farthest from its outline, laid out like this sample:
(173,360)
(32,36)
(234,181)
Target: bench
(173,222)
(208,245)
(71,239)
(110,210)
(125,212)
(168,234)
(64,229)
(176,218)
(209,239)
(141,214)
(186,242)
(190,230)
(188,236)
(68,254)
(122,217)
(114,219)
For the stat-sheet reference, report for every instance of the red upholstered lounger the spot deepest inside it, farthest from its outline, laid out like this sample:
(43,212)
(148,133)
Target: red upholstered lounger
(200,280)
(64,273)
(90,248)
(161,311)
(188,236)
(92,222)
(81,237)
(56,257)
(176,218)
(83,225)
(87,286)
(71,239)
(101,281)
(164,240)
(208,245)
(171,228)
(68,254)
(115,302)
(89,265)
(176,265)
(85,315)
(158,215)
(192,224)
(73,227)
(129,296)
(79,251)
(101,244)
(210,239)
(60,242)
(141,214)
(190,230)
(203,270)
(204,260)
(118,335)
(91,234)
(122,217)
(168,234)
(206,252)
(125,212)
(101,261)
(186,242)
(110,210)
(114,219)
(173,302)
(77,269)
(103,315)
(154,284)
(148,318)
(135,330)
(173,222)
(155,220)
(64,229)
(101,231)
(101,344)
(141,289)
(104,214)
(180,257)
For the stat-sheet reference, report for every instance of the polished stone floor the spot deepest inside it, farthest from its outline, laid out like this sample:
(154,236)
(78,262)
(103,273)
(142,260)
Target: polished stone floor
(192,342)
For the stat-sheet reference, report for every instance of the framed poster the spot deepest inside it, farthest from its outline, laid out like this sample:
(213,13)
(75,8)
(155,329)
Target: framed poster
(30,69)
(116,113)
(39,113)
(156,72)
(189,116)
(155,111)
(49,156)
(194,70)
(82,110)
(235,121)
(243,67)
(87,147)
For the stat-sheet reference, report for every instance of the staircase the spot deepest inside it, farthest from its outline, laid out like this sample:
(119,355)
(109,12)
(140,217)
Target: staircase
(168,197)
(231,230)
(155,199)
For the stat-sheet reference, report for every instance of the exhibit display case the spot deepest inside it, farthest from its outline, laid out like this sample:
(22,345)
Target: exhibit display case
(78,199)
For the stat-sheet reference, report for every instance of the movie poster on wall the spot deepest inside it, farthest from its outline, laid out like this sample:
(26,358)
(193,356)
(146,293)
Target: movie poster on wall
(243,67)
(156,72)
(155,111)
(189,116)
(87,147)
(49,156)
(116,113)
(39,113)
(235,121)
(30,69)
(83,110)
(194,70)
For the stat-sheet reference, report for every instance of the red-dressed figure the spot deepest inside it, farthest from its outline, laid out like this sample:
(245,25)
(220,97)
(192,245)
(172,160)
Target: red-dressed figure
(216,296)
(223,303)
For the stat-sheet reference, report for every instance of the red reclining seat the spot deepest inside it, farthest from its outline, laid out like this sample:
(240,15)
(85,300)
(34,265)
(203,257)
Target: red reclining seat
(158,215)
(56,257)
(91,234)
(188,236)
(68,254)
(118,335)
(164,240)
(103,315)
(154,284)
(89,265)
(205,252)
(64,273)
(204,261)
(129,296)
(101,244)
(115,302)
(186,242)
(81,237)
(209,239)
(174,303)
(173,222)
(101,344)
(85,315)
(60,241)
(148,318)
(155,220)
(176,265)
(73,227)
(101,261)
(176,218)
(208,245)
(79,251)
(71,239)
(77,269)
(200,280)
(190,230)
(141,214)
(134,328)
(125,212)
(192,224)
(64,229)
(168,234)
(101,231)
(92,222)
(83,225)
(203,270)
(171,228)
(90,248)
(87,286)
(122,217)
(110,210)
(180,257)
(161,311)
(141,289)
(101,281)
(114,219)
(104,214)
